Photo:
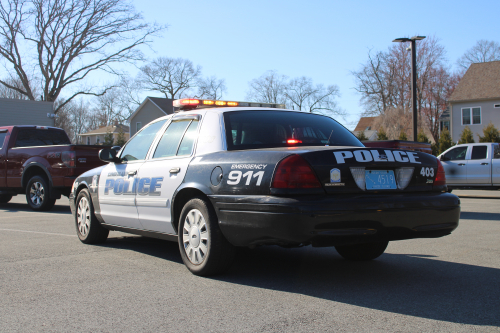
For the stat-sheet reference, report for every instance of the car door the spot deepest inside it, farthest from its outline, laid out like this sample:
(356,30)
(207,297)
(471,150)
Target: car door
(495,161)
(119,182)
(3,163)
(479,167)
(164,172)
(455,165)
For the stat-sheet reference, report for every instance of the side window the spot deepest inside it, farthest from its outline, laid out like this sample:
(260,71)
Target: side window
(137,148)
(456,154)
(2,138)
(178,139)
(496,151)
(479,152)
(187,143)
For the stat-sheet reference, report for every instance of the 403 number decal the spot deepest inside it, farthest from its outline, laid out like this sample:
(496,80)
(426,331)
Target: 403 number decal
(236,176)
(427,172)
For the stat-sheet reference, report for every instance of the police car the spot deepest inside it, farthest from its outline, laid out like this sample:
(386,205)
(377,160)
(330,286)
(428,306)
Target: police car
(217,175)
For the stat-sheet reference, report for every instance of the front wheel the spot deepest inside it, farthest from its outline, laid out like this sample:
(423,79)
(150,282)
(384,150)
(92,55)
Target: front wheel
(204,249)
(362,252)
(88,228)
(38,194)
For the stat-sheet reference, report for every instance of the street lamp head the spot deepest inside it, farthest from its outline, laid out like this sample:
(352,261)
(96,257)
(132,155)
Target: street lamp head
(402,40)
(417,37)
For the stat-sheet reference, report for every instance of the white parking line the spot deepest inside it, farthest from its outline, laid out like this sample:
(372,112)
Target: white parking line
(38,232)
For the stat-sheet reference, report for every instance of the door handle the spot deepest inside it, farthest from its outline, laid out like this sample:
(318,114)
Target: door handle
(132,173)
(484,163)
(175,170)
(461,164)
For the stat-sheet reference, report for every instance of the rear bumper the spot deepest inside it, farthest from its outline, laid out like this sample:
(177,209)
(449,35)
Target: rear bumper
(335,220)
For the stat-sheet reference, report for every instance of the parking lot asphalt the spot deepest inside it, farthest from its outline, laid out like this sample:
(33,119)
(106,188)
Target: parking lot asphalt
(51,282)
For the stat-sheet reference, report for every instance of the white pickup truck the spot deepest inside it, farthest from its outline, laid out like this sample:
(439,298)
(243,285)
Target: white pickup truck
(472,165)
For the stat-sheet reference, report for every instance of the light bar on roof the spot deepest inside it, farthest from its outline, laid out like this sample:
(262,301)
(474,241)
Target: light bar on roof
(192,103)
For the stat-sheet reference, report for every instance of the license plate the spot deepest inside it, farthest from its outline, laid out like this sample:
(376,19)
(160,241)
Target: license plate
(380,180)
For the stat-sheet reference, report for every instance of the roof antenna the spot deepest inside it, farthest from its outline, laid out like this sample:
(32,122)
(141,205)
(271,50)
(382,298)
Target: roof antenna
(327,144)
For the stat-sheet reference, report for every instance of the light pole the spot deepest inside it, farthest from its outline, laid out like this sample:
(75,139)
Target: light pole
(413,77)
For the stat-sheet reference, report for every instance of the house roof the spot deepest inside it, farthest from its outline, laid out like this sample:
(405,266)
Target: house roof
(364,123)
(481,81)
(108,129)
(164,104)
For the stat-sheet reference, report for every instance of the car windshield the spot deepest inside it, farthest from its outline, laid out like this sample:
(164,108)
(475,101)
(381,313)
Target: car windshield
(269,129)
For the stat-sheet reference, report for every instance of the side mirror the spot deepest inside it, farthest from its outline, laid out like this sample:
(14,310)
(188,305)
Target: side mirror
(108,155)
(443,158)
(116,148)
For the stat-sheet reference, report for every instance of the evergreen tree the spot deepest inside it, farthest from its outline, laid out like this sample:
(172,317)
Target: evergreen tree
(466,136)
(120,138)
(421,137)
(435,148)
(361,136)
(381,135)
(445,140)
(490,134)
(402,136)
(108,139)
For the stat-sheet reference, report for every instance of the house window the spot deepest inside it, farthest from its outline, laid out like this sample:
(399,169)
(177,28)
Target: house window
(88,140)
(471,116)
(444,124)
(98,139)
(138,126)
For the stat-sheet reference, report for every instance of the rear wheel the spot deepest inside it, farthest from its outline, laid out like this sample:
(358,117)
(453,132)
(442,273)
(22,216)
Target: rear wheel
(362,252)
(88,228)
(38,194)
(4,198)
(204,250)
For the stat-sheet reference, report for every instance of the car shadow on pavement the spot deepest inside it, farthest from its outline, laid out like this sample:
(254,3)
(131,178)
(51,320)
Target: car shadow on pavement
(150,246)
(18,207)
(408,284)
(480,216)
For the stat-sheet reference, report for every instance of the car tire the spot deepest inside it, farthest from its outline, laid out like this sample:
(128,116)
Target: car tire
(88,228)
(204,249)
(362,252)
(4,198)
(38,194)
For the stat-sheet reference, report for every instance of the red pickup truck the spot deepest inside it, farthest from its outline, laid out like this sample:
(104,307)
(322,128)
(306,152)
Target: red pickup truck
(41,162)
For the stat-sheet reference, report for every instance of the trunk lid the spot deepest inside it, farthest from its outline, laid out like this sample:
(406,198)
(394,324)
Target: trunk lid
(376,169)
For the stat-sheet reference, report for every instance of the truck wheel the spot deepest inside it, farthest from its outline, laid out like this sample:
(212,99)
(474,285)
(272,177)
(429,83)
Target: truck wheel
(204,250)
(88,228)
(362,252)
(37,194)
(4,198)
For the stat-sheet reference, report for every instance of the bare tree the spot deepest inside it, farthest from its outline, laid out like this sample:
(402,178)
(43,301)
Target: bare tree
(303,95)
(483,51)
(173,77)
(394,120)
(71,39)
(268,88)
(6,92)
(75,117)
(211,88)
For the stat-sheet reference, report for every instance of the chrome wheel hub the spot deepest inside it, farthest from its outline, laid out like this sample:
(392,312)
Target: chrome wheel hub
(83,216)
(195,237)
(37,193)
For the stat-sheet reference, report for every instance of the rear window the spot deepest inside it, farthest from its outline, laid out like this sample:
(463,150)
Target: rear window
(269,129)
(29,137)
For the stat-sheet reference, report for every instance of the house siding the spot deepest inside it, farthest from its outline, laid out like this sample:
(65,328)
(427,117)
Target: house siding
(147,114)
(488,114)
(22,112)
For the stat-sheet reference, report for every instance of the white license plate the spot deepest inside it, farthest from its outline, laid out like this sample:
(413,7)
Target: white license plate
(380,180)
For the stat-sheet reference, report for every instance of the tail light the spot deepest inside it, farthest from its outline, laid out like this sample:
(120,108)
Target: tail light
(295,172)
(440,179)
(68,158)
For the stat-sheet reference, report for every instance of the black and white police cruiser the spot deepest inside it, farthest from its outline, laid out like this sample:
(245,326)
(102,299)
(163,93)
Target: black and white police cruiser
(219,175)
